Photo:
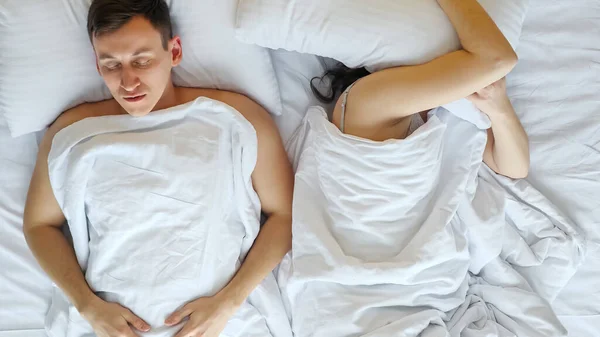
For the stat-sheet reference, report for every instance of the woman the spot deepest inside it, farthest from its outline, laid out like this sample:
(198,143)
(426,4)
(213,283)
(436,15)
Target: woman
(381,106)
(379,246)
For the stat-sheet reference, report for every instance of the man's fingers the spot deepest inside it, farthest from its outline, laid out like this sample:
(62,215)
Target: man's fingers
(186,331)
(127,332)
(135,321)
(178,316)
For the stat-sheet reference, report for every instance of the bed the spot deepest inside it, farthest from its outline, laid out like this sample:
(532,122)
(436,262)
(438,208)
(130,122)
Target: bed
(556,92)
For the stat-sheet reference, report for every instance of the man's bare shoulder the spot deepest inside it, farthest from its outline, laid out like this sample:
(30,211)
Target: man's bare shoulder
(250,109)
(83,111)
(260,119)
(71,116)
(189,94)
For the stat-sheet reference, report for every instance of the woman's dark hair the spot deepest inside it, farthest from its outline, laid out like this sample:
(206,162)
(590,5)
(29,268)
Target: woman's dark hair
(338,79)
(106,16)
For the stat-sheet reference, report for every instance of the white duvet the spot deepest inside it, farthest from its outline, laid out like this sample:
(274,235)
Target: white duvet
(401,238)
(162,211)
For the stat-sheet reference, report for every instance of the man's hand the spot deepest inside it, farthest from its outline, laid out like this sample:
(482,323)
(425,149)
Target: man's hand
(208,316)
(112,320)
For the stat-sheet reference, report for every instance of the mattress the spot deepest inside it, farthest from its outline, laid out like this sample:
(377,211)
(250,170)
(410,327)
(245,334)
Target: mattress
(555,90)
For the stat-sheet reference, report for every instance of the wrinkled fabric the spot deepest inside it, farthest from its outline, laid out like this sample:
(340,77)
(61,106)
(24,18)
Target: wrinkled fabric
(162,211)
(402,238)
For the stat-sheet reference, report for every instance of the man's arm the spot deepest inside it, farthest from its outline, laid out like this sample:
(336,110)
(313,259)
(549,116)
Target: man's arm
(42,223)
(42,226)
(273,180)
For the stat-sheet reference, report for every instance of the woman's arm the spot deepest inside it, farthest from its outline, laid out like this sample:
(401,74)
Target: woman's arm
(398,92)
(507,150)
(273,181)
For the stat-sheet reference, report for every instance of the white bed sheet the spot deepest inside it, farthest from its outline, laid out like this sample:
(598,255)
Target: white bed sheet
(555,89)
(24,333)
(24,288)
(556,92)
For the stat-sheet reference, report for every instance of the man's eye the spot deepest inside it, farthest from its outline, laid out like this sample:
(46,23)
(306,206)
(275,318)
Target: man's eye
(112,66)
(142,63)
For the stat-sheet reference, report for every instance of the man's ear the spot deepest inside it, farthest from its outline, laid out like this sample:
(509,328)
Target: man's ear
(176,51)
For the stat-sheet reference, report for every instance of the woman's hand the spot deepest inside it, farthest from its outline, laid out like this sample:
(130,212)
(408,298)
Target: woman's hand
(208,316)
(507,150)
(493,99)
(112,320)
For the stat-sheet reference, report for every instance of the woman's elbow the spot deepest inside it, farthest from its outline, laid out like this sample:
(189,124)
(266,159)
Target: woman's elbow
(518,171)
(506,61)
(29,233)
(519,174)
(516,168)
(525,162)
(502,61)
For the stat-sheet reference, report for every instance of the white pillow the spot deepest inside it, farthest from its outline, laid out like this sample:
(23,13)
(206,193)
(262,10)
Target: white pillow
(214,58)
(47,64)
(294,72)
(374,33)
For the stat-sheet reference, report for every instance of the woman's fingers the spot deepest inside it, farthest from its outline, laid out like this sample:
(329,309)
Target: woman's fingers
(178,316)
(135,321)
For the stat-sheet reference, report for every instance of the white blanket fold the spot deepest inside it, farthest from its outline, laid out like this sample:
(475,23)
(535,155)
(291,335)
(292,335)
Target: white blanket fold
(402,238)
(162,211)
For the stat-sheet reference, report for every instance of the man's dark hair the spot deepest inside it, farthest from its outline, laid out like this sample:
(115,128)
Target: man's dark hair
(106,16)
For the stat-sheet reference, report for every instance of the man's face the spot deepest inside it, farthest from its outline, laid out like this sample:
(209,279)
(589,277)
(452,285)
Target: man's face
(135,66)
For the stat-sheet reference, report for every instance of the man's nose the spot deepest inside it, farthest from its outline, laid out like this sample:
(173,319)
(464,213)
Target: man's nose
(129,80)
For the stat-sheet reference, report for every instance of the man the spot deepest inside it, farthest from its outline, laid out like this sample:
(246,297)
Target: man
(136,52)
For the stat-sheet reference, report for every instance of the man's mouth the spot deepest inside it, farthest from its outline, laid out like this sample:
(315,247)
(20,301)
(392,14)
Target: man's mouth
(133,99)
